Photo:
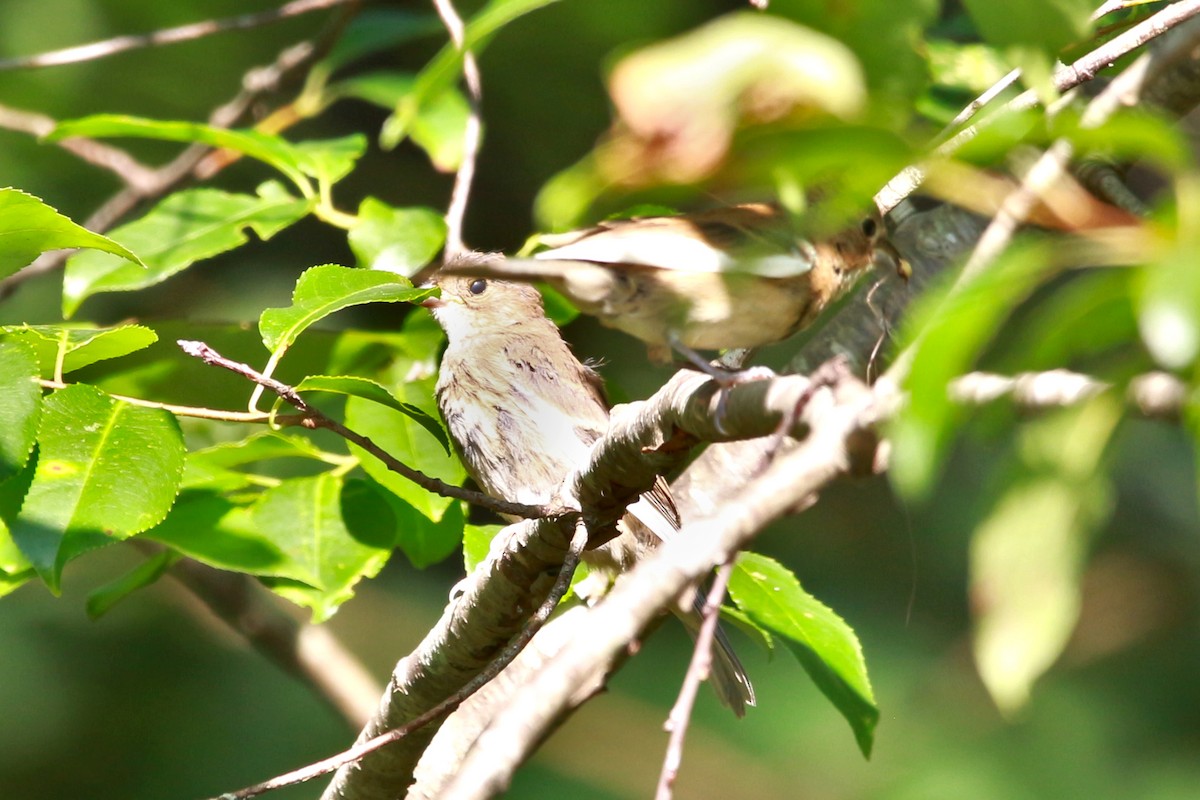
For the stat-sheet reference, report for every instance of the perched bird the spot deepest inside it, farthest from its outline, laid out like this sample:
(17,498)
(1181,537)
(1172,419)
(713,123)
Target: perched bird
(524,412)
(732,277)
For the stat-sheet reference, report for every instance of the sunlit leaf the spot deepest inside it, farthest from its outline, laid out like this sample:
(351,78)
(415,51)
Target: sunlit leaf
(477,543)
(106,470)
(303,517)
(400,240)
(81,346)
(20,406)
(29,227)
(186,227)
(323,290)
(213,467)
(823,643)
(423,541)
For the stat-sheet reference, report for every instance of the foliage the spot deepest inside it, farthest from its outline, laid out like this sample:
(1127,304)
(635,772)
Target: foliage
(808,108)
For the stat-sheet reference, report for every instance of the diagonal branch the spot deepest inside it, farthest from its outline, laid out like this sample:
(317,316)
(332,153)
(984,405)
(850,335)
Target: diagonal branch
(182,33)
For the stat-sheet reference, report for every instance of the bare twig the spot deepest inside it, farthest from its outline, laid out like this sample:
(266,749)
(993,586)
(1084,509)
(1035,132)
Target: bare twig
(698,670)
(196,412)
(1156,395)
(460,195)
(183,33)
(315,419)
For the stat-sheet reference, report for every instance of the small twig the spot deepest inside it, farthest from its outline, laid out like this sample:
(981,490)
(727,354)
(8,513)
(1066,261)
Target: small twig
(1156,395)
(183,33)
(698,670)
(979,103)
(1065,78)
(457,210)
(561,584)
(315,419)
(195,412)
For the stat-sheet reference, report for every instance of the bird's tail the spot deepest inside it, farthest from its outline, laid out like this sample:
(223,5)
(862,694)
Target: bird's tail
(729,679)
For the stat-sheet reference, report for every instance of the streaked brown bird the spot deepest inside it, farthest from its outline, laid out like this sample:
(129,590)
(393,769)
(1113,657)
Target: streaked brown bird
(524,412)
(731,277)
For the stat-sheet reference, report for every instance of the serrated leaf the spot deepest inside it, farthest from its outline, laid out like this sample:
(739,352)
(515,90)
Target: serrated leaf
(20,406)
(399,240)
(353,386)
(304,517)
(187,227)
(100,601)
(322,290)
(29,227)
(106,470)
(410,443)
(82,346)
(443,70)
(823,643)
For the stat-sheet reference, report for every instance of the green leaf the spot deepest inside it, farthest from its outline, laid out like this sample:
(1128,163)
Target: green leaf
(212,467)
(949,329)
(1028,555)
(325,289)
(304,518)
(100,601)
(444,69)
(1045,26)
(399,240)
(106,470)
(187,227)
(20,406)
(823,643)
(220,533)
(267,148)
(423,541)
(477,543)
(29,227)
(409,442)
(1169,311)
(330,160)
(81,346)
(370,390)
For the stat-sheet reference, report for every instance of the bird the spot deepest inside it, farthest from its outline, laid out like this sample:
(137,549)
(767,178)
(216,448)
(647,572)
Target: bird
(733,277)
(523,413)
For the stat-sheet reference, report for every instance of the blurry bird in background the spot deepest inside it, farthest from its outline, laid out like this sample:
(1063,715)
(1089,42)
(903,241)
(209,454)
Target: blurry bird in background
(728,278)
(524,413)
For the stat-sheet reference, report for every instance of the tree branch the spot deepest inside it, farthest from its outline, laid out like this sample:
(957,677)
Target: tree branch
(182,33)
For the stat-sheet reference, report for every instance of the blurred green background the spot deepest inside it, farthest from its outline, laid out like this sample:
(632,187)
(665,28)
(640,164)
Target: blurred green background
(157,700)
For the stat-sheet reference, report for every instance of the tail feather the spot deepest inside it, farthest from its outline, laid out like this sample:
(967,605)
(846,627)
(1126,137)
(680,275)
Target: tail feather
(729,679)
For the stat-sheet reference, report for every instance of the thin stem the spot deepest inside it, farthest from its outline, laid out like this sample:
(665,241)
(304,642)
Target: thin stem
(472,135)
(183,33)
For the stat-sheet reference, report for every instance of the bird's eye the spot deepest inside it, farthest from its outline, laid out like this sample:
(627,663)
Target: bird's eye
(478,286)
(870,227)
